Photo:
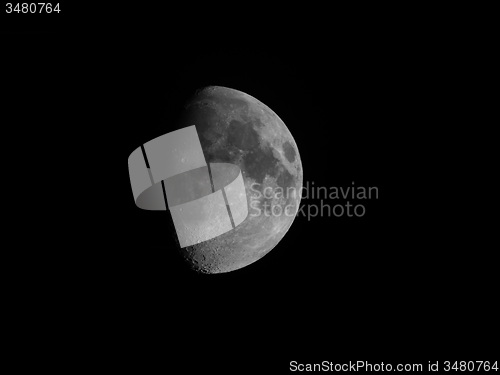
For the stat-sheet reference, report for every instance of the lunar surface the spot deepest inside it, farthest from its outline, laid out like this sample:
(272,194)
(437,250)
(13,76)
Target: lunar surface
(236,128)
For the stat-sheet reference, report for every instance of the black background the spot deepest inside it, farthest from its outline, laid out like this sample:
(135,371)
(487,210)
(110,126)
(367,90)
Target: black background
(365,102)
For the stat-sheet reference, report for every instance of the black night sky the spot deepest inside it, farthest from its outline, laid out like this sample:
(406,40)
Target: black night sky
(364,104)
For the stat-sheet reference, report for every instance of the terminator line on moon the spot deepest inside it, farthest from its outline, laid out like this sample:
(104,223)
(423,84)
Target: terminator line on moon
(236,128)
